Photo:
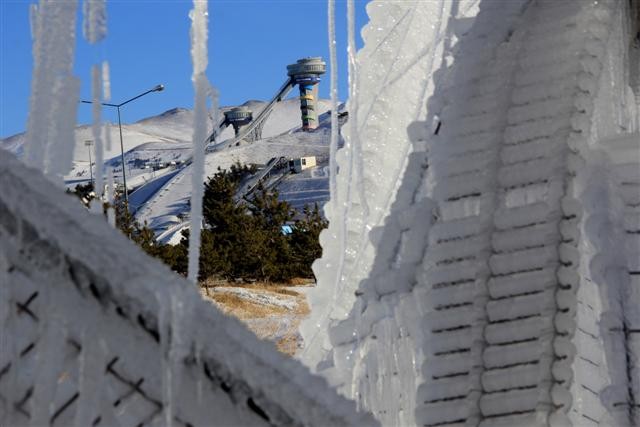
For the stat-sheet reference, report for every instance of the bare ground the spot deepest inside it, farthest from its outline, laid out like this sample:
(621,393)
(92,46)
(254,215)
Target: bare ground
(272,311)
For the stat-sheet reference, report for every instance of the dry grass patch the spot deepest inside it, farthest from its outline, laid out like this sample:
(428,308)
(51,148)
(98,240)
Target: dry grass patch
(272,322)
(243,308)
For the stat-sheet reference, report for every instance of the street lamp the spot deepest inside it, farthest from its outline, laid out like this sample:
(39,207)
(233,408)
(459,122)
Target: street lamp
(88,143)
(157,88)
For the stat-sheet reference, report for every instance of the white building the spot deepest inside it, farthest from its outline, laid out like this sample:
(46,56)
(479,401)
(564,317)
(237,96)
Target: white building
(302,163)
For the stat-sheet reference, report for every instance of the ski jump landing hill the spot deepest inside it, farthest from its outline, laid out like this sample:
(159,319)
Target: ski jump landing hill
(162,203)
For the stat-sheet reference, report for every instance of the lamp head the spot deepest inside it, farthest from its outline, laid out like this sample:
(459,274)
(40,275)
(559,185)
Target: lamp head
(158,88)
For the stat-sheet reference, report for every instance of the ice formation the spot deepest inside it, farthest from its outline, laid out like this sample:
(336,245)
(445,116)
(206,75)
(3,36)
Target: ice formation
(54,90)
(199,34)
(94,28)
(500,287)
(333,81)
(94,23)
(106,83)
(94,332)
(481,267)
(397,57)
(110,199)
(96,128)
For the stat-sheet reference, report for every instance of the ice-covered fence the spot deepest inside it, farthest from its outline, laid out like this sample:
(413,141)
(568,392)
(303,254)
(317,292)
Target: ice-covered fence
(94,332)
(505,277)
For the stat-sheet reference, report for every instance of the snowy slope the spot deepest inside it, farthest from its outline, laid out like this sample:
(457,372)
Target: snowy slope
(158,152)
(167,208)
(157,140)
(161,138)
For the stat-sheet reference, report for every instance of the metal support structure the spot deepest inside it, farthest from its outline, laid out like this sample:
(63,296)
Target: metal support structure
(157,88)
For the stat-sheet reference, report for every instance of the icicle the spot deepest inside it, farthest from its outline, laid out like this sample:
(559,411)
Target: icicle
(53,89)
(335,127)
(59,154)
(165,323)
(94,26)
(356,157)
(33,20)
(106,83)
(111,213)
(107,135)
(199,17)
(96,206)
(352,156)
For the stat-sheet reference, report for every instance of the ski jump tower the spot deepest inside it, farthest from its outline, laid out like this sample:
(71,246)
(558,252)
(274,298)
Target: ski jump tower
(306,74)
(238,117)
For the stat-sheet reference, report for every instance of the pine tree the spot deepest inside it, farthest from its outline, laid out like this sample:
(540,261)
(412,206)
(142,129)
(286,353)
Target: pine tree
(305,240)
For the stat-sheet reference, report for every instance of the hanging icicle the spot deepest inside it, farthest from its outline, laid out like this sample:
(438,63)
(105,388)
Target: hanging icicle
(94,26)
(54,90)
(96,128)
(335,127)
(199,33)
(106,81)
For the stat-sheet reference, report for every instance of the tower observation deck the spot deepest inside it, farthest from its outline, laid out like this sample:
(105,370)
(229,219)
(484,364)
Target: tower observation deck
(238,117)
(306,74)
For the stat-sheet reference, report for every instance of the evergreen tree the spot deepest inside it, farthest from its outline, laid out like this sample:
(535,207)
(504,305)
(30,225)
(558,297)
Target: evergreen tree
(270,214)
(305,240)
(241,238)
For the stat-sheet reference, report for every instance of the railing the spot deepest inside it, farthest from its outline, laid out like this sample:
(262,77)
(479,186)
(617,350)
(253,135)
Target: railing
(96,333)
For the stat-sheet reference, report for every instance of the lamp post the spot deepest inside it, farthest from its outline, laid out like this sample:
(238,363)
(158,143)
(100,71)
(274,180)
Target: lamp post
(157,88)
(88,143)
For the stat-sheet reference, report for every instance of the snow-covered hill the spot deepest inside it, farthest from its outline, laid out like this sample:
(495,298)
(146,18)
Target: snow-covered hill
(158,151)
(166,209)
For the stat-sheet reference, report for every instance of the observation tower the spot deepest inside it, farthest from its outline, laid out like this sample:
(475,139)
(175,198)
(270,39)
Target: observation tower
(306,74)
(238,117)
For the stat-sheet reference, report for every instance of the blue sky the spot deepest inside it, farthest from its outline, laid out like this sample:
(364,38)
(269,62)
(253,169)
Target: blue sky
(250,44)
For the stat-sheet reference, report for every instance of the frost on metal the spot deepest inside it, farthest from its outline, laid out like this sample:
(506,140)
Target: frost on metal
(502,287)
(94,332)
